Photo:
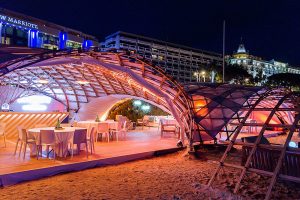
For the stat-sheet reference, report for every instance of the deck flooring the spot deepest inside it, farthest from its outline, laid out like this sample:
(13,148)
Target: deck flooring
(137,141)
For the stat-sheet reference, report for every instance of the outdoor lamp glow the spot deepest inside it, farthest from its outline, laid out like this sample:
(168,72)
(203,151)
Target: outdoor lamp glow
(137,103)
(293,144)
(83,82)
(145,107)
(43,81)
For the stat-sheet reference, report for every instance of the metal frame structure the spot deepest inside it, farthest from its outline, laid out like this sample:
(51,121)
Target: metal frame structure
(215,105)
(74,77)
(261,102)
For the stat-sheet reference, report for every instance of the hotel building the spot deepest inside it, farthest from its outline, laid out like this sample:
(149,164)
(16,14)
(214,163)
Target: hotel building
(179,61)
(256,66)
(21,30)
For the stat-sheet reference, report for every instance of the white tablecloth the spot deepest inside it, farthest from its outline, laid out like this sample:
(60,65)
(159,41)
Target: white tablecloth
(62,137)
(168,121)
(89,124)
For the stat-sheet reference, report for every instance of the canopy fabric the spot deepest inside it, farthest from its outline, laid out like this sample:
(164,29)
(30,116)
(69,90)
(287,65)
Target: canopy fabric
(214,105)
(75,77)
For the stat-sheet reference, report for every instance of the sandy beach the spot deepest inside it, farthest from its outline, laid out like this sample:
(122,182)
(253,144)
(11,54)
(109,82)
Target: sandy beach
(174,176)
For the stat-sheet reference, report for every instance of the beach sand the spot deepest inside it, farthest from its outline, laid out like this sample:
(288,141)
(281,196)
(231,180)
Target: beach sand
(174,176)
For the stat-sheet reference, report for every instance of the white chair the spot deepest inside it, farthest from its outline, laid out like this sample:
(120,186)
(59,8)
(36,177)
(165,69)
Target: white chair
(143,122)
(40,125)
(121,130)
(103,128)
(46,138)
(91,139)
(2,132)
(252,121)
(166,127)
(23,139)
(80,137)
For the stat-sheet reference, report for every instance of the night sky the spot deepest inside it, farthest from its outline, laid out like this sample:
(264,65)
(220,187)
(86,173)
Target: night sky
(269,28)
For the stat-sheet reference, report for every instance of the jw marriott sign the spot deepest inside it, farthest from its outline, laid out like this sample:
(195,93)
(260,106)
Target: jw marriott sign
(18,22)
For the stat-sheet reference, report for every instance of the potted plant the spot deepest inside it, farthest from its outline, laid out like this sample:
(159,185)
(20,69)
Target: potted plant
(97,119)
(57,126)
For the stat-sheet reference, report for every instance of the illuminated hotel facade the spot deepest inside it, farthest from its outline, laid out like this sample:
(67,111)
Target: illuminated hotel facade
(21,30)
(257,66)
(179,61)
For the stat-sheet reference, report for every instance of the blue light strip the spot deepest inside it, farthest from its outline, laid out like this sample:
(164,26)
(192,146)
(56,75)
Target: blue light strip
(87,44)
(33,38)
(63,37)
(0,33)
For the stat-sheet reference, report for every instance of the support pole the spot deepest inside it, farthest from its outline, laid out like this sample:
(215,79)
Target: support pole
(223,80)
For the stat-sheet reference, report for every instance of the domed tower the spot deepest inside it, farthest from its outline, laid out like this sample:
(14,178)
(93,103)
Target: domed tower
(241,57)
(241,53)
(241,49)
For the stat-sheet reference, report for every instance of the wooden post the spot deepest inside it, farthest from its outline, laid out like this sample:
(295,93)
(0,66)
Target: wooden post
(282,154)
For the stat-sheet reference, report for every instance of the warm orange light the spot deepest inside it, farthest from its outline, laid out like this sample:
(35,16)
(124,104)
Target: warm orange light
(262,116)
(199,105)
(202,112)
(83,82)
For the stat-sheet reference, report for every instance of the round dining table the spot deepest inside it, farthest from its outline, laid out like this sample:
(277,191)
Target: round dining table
(62,136)
(90,124)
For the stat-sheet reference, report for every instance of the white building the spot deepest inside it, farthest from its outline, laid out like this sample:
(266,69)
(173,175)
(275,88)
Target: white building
(259,67)
(179,61)
(21,30)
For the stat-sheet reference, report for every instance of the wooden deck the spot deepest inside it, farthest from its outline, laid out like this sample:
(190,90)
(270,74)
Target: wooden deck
(138,145)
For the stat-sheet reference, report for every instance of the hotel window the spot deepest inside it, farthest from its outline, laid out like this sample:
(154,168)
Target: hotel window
(154,56)
(49,41)
(14,36)
(7,35)
(73,45)
(160,57)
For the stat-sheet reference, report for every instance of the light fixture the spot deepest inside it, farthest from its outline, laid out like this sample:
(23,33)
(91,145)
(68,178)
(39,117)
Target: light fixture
(137,103)
(35,99)
(5,107)
(145,107)
(83,82)
(34,107)
(293,144)
(43,81)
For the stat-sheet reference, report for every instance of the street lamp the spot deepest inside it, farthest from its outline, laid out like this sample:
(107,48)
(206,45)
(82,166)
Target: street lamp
(197,74)
(246,80)
(203,74)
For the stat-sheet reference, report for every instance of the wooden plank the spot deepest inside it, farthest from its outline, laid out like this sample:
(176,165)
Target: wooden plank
(282,154)
(262,172)
(239,128)
(258,139)
(28,120)
(289,178)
